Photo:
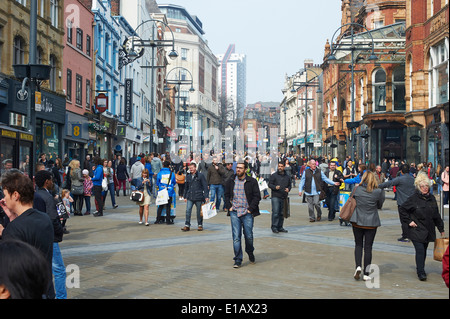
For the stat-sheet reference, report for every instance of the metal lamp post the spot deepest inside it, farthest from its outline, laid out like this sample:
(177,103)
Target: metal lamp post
(177,81)
(134,49)
(342,46)
(306,84)
(32,73)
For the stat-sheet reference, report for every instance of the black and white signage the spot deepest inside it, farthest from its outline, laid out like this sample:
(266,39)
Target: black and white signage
(128,100)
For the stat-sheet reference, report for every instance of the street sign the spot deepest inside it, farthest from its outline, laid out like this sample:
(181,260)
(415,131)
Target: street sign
(101,103)
(128,100)
(37,101)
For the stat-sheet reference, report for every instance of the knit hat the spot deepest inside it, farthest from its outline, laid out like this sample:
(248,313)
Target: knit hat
(85,172)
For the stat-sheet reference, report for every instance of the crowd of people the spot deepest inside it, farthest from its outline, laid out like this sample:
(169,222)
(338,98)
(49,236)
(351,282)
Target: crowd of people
(60,189)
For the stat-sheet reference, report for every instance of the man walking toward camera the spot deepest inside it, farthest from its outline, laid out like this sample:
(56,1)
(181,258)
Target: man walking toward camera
(280,184)
(312,180)
(242,197)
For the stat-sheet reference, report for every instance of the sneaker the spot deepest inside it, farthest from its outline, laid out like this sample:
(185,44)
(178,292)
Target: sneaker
(237,265)
(403,240)
(357,274)
(185,228)
(115,206)
(367,278)
(200,228)
(251,257)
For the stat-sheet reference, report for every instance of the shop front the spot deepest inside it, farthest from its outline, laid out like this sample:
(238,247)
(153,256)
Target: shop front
(50,119)
(76,137)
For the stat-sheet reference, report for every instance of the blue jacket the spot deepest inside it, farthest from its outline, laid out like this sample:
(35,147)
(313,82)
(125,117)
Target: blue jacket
(149,167)
(170,186)
(98,176)
(354,180)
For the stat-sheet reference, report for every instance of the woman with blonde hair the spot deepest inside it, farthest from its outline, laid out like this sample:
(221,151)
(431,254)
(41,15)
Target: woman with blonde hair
(421,213)
(77,187)
(365,221)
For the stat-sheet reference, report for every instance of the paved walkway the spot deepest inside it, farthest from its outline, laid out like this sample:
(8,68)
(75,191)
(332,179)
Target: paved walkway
(118,258)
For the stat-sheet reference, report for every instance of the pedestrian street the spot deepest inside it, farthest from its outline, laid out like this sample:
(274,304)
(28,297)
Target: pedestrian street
(118,258)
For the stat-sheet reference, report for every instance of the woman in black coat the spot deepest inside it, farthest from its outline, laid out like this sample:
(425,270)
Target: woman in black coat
(122,176)
(420,212)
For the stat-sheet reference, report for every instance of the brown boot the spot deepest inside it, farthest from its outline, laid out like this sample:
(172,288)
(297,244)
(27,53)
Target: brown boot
(185,228)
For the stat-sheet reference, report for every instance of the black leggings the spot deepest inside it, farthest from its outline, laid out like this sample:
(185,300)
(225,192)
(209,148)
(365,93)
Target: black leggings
(363,238)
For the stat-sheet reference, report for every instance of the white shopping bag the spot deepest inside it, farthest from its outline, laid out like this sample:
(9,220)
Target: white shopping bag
(163,197)
(262,185)
(209,210)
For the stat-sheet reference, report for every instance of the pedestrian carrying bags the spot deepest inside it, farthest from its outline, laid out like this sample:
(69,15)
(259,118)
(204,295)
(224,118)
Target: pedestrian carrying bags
(349,207)
(209,210)
(137,196)
(440,246)
(163,197)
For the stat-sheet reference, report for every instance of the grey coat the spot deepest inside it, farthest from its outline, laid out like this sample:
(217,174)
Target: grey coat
(367,205)
(77,178)
(404,185)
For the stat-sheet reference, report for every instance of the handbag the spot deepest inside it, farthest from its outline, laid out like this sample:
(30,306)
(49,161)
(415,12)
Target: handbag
(440,246)
(348,208)
(77,190)
(62,211)
(209,210)
(162,198)
(104,185)
(262,185)
(180,179)
(137,196)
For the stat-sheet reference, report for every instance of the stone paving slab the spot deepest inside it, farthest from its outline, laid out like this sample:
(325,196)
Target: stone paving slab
(119,259)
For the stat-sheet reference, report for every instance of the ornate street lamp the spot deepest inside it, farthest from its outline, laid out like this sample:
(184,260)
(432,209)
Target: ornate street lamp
(133,48)
(353,48)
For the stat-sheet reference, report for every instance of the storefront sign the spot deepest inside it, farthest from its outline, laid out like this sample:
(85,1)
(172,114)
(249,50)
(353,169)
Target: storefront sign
(128,100)
(415,138)
(101,103)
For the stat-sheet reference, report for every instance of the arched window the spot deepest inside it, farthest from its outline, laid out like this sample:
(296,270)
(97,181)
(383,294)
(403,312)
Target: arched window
(398,89)
(379,90)
(19,50)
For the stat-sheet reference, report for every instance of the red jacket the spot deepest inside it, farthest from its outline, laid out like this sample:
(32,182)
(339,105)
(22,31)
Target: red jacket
(445,267)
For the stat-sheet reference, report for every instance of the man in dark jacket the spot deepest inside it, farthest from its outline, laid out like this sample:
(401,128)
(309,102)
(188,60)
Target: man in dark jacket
(242,197)
(45,202)
(333,190)
(195,193)
(214,177)
(405,188)
(26,223)
(280,184)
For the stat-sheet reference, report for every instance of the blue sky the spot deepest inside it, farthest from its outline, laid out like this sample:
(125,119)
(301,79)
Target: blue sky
(276,36)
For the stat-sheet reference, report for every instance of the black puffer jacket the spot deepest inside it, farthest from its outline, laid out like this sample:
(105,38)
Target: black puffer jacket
(423,210)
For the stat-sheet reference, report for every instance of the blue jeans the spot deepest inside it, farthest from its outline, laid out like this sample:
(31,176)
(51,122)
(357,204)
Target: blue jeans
(59,273)
(277,213)
(87,200)
(237,224)
(217,192)
(331,201)
(112,194)
(189,205)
